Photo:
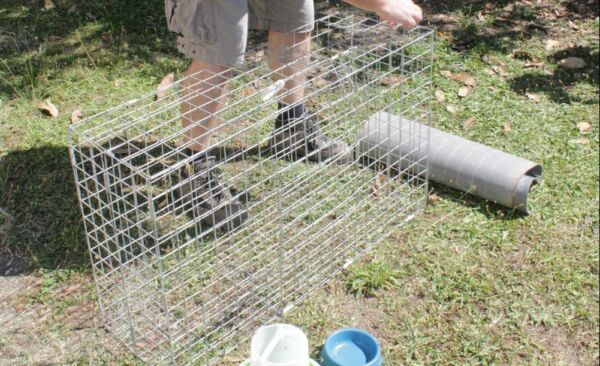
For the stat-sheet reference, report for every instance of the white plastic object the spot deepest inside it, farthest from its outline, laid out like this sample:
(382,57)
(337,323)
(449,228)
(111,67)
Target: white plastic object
(272,90)
(279,345)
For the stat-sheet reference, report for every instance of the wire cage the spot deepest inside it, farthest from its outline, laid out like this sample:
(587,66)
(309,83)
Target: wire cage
(179,288)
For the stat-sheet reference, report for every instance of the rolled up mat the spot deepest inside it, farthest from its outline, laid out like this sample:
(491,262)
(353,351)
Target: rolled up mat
(453,161)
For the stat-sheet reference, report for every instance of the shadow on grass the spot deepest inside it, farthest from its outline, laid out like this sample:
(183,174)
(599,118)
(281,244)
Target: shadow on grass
(490,210)
(506,21)
(40,222)
(36,44)
(556,86)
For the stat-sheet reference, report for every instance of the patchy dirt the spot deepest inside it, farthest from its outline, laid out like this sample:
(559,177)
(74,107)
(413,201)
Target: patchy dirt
(34,333)
(560,346)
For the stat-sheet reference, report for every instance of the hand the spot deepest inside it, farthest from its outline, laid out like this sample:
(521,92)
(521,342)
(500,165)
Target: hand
(403,12)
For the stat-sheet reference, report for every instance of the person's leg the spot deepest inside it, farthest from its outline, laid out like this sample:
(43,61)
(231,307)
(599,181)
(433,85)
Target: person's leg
(290,49)
(211,33)
(203,91)
(297,131)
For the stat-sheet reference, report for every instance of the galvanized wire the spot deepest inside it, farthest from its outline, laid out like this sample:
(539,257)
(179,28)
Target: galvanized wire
(177,291)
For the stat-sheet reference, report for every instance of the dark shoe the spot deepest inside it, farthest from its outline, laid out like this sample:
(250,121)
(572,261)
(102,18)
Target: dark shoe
(302,136)
(206,196)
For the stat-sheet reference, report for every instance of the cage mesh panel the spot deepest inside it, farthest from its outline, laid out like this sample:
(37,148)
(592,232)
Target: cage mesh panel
(178,291)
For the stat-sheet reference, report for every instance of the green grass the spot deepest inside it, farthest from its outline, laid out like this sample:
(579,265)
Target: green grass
(467,282)
(366,280)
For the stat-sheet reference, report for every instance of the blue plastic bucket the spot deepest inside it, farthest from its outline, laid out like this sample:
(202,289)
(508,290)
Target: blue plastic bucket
(351,347)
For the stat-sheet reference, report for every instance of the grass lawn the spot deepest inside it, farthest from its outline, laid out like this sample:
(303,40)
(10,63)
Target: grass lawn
(467,282)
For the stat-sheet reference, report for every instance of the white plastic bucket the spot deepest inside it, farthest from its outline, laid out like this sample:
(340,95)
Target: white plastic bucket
(279,345)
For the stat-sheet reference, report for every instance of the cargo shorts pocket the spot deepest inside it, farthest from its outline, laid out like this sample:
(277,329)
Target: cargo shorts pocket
(192,19)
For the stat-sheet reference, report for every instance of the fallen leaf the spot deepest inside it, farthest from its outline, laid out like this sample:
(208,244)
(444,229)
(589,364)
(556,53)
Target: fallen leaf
(490,6)
(470,81)
(573,26)
(533,97)
(76,116)
(70,290)
(584,127)
(446,73)
(464,78)
(451,108)
(322,83)
(499,70)
(438,18)
(580,141)
(469,123)
(480,16)
(379,184)
(165,84)
(393,80)
(534,64)
(506,127)
(432,198)
(72,10)
(48,108)
(440,96)
(560,13)
(247,91)
(463,91)
(521,55)
(551,44)
(117,83)
(49,5)
(572,63)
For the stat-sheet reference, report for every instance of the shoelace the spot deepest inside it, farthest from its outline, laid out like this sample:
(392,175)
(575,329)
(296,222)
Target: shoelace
(311,129)
(210,181)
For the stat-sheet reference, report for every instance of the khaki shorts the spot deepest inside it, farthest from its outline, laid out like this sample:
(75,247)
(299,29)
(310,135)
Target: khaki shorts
(215,31)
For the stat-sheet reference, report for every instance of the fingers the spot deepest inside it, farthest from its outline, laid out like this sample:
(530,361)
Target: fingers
(406,14)
(418,16)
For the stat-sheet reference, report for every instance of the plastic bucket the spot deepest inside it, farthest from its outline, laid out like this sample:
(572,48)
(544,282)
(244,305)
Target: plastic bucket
(279,345)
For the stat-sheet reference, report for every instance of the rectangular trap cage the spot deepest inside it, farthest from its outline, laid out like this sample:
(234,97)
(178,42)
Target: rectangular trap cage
(180,283)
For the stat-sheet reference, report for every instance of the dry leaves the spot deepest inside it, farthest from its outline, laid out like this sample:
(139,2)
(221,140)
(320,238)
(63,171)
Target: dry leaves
(49,5)
(573,26)
(463,91)
(165,84)
(118,83)
(580,141)
(379,184)
(584,127)
(521,55)
(440,96)
(551,44)
(469,123)
(534,64)
(321,83)
(499,70)
(393,80)
(48,108)
(461,77)
(259,55)
(572,63)
(432,198)
(534,97)
(452,108)
(506,127)
(247,91)
(76,116)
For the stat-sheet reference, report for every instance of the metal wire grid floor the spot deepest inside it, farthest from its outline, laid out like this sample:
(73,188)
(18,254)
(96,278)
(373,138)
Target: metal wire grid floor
(177,291)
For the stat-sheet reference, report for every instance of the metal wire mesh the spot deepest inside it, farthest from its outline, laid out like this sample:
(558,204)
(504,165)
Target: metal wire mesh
(176,290)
